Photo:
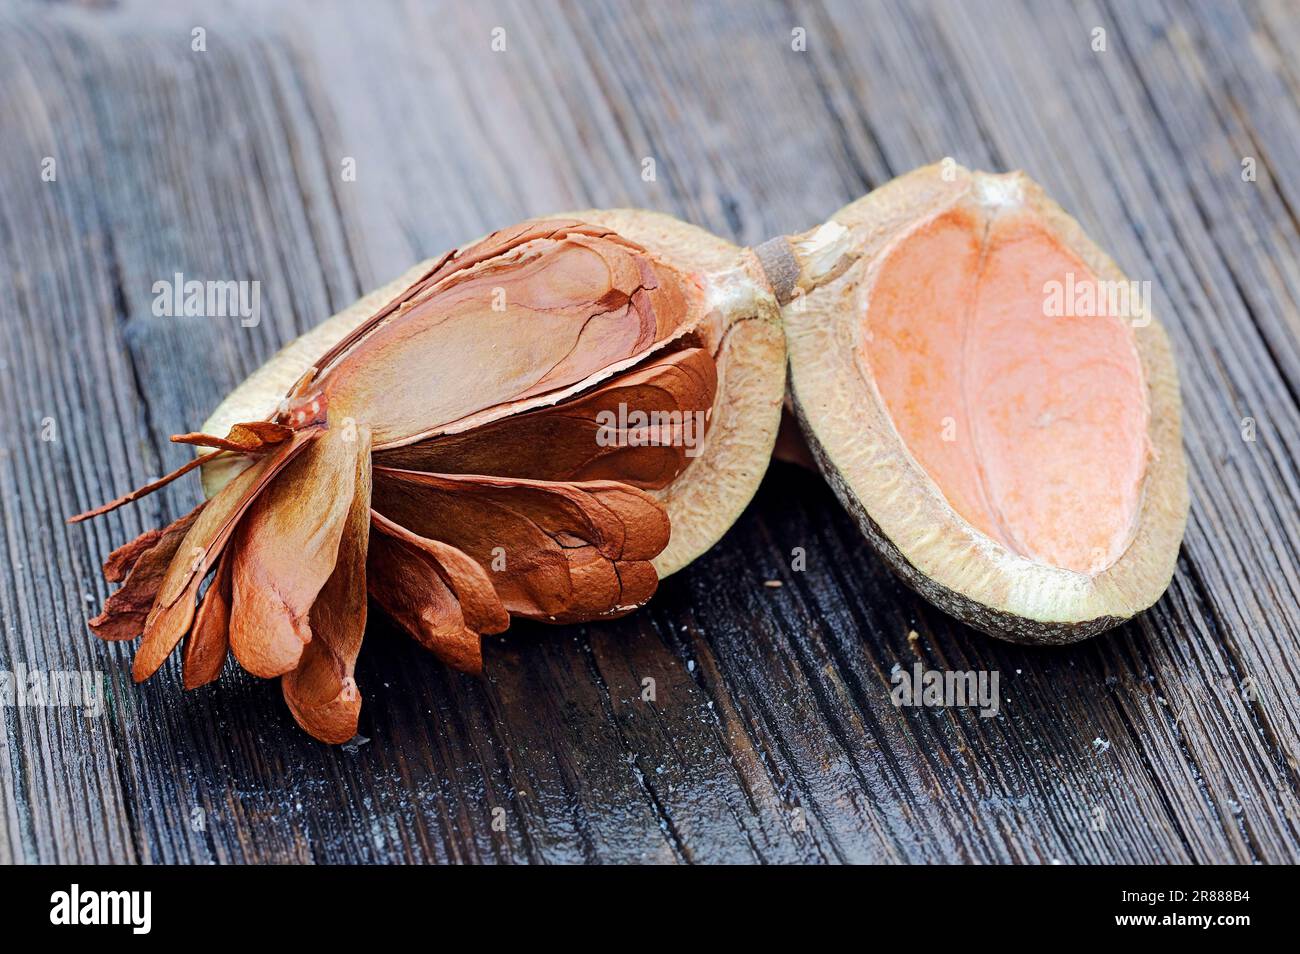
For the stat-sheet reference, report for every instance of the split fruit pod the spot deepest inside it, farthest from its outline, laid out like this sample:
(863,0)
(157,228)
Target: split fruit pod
(986,392)
(993,401)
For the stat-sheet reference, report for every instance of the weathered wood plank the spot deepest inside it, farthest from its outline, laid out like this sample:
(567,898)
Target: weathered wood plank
(771,735)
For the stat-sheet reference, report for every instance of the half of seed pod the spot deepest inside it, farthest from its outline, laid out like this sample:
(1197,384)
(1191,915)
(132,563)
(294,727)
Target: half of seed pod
(539,425)
(992,400)
(740,325)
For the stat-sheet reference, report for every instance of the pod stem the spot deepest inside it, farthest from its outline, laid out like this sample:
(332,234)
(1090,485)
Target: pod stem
(796,264)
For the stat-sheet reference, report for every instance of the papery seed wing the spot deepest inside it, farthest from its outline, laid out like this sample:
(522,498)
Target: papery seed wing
(208,641)
(529,312)
(143,562)
(321,691)
(438,594)
(641,521)
(600,435)
(173,610)
(286,548)
(534,536)
(123,560)
(247,438)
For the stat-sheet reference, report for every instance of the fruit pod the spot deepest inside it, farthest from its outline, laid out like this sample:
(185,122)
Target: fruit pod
(547,422)
(740,327)
(539,425)
(991,399)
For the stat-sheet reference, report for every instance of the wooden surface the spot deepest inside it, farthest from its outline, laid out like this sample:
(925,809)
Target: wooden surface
(772,737)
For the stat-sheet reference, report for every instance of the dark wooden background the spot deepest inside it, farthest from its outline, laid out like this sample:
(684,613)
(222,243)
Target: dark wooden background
(773,737)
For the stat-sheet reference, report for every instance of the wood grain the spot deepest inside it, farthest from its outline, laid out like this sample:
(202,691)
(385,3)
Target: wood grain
(771,736)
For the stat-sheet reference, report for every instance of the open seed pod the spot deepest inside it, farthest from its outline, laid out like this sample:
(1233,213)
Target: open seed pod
(540,425)
(546,423)
(991,399)
(741,327)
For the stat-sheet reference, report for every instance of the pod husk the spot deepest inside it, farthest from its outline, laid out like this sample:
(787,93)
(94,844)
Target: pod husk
(898,506)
